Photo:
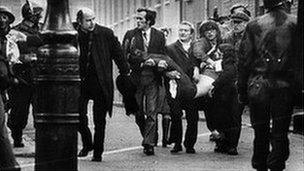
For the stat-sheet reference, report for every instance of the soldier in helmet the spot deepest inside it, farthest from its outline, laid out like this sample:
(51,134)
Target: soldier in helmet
(21,94)
(266,82)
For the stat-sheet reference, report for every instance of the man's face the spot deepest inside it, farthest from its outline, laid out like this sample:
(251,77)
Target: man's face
(4,21)
(238,26)
(88,21)
(210,34)
(141,21)
(184,33)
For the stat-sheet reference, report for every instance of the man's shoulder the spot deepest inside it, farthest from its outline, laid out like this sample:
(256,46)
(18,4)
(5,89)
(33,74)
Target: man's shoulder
(173,45)
(132,31)
(156,31)
(103,29)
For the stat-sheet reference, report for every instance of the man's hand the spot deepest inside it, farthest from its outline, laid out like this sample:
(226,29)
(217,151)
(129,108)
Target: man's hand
(149,62)
(173,74)
(16,36)
(162,65)
(211,91)
(196,76)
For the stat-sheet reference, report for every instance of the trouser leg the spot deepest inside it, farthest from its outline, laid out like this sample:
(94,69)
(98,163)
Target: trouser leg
(7,158)
(281,110)
(208,115)
(156,131)
(151,94)
(20,103)
(99,118)
(191,131)
(83,127)
(140,115)
(233,134)
(166,122)
(260,120)
(176,130)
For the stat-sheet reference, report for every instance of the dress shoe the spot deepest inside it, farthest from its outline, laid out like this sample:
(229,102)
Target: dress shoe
(18,144)
(232,151)
(96,159)
(177,148)
(190,150)
(149,150)
(84,152)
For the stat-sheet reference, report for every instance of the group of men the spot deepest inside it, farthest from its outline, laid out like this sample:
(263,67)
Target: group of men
(251,65)
(18,47)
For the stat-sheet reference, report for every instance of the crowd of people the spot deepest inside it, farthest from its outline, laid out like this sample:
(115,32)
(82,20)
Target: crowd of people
(235,62)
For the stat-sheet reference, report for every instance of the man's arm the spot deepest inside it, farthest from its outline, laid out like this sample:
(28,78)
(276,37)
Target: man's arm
(117,55)
(245,56)
(227,77)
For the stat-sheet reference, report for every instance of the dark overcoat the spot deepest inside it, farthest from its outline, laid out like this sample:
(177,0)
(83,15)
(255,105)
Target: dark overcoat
(268,49)
(105,48)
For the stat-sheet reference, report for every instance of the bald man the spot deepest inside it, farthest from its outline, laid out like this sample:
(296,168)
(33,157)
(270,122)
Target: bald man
(98,47)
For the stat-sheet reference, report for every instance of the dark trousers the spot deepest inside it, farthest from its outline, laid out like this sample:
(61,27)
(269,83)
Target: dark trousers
(20,100)
(210,119)
(225,111)
(276,105)
(176,133)
(92,91)
(7,158)
(147,97)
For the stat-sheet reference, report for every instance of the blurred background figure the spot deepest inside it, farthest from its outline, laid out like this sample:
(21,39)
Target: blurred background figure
(21,95)
(7,158)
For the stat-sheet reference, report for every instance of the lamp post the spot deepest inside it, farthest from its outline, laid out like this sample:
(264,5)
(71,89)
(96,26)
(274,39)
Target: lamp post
(57,90)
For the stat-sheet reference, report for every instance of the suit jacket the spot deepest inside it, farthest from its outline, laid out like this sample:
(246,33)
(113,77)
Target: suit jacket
(132,43)
(181,57)
(105,48)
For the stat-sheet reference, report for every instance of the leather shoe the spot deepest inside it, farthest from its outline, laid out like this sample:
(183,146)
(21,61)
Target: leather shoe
(190,150)
(96,159)
(177,148)
(84,152)
(149,150)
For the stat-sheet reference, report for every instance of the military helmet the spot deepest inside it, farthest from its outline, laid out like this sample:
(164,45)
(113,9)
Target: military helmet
(6,11)
(29,9)
(240,17)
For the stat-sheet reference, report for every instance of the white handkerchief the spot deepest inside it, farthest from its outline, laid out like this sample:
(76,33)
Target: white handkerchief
(173,88)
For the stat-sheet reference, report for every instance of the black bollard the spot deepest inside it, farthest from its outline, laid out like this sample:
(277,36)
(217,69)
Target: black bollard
(57,90)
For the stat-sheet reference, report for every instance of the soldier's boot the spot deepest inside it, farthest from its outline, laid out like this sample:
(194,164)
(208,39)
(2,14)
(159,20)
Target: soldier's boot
(166,123)
(17,137)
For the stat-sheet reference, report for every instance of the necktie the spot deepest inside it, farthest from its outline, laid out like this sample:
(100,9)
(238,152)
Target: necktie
(146,44)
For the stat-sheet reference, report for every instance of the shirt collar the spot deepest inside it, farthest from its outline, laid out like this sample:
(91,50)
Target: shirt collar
(148,32)
(186,45)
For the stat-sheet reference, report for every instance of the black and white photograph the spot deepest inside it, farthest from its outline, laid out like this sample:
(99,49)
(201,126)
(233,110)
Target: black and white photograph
(202,85)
